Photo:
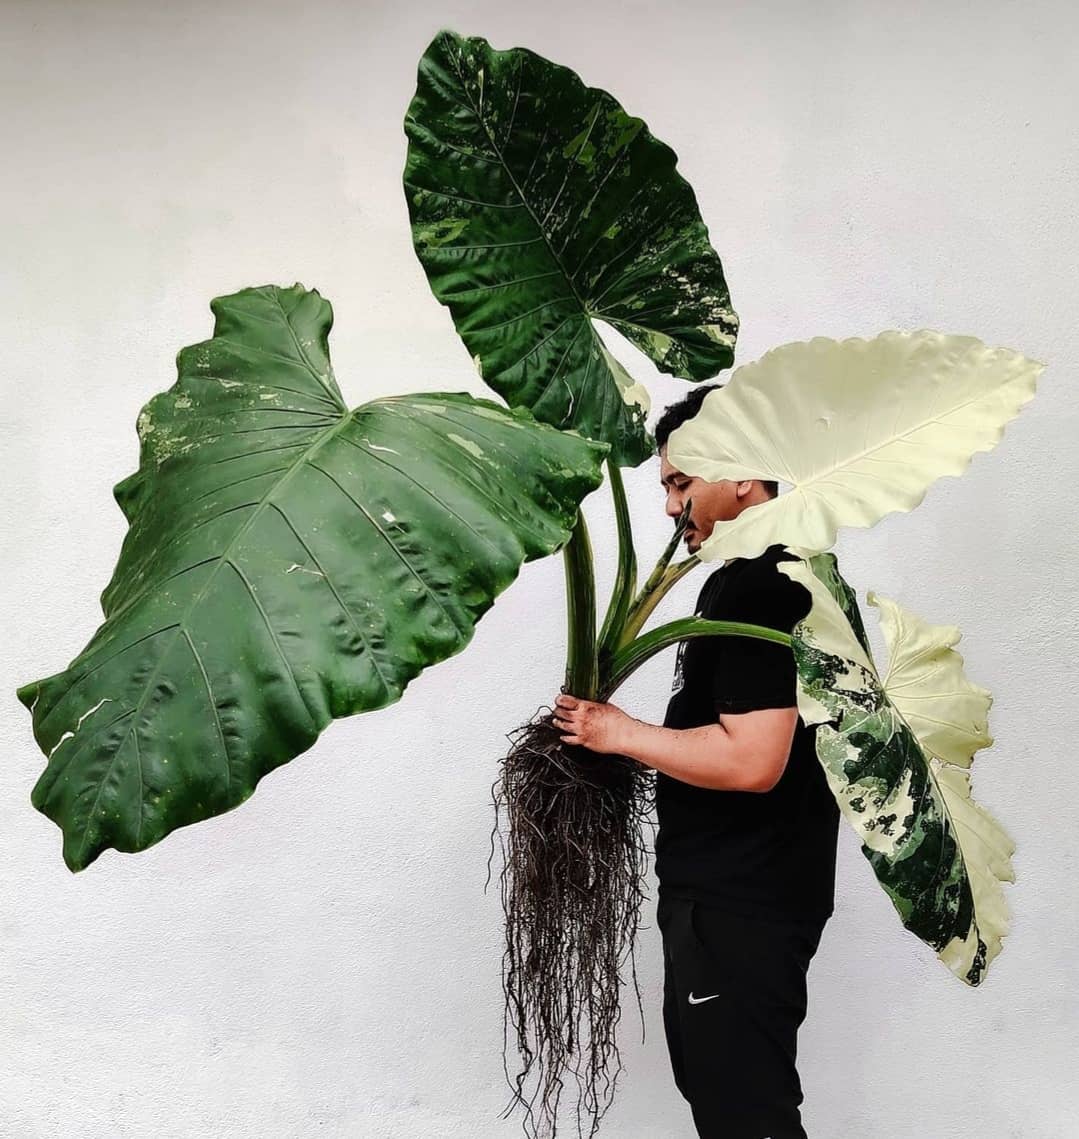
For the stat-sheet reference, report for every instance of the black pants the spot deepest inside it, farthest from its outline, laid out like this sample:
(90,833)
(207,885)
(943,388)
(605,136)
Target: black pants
(734,996)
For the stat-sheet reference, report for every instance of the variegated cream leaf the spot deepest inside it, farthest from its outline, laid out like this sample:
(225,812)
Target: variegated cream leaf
(858,428)
(948,715)
(904,786)
(926,683)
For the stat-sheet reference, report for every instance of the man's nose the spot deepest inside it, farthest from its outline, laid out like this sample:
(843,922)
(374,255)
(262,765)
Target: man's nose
(674,505)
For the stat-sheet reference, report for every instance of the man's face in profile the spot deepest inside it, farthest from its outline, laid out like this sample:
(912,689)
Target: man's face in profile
(712,501)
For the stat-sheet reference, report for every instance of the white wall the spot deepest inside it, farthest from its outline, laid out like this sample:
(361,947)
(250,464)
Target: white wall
(324,960)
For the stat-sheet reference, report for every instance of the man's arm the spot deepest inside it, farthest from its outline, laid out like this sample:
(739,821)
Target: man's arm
(753,691)
(747,751)
(743,752)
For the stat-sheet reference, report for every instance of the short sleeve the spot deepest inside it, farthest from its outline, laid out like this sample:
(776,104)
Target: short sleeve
(751,673)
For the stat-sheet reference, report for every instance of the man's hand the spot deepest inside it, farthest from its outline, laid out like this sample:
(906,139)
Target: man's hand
(598,727)
(747,751)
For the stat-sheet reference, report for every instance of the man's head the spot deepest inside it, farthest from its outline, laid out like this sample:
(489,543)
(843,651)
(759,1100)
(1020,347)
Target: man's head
(712,501)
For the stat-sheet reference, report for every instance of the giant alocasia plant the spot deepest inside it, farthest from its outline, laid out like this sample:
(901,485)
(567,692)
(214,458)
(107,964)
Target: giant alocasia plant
(290,561)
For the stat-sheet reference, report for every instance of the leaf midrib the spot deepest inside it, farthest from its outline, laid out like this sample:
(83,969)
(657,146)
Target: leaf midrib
(522,196)
(870,452)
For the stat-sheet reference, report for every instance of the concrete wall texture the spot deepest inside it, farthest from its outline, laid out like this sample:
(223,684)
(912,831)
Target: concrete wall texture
(324,959)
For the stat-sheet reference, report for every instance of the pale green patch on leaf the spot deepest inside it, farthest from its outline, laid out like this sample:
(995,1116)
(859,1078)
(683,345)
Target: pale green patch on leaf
(858,428)
(440,232)
(472,447)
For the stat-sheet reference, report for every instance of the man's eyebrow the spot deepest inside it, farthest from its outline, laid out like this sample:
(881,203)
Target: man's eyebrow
(674,475)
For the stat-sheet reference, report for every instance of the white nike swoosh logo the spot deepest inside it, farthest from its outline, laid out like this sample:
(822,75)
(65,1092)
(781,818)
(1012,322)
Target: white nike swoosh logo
(700,1000)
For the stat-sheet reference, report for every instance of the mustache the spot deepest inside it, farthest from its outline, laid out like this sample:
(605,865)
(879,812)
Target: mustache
(683,521)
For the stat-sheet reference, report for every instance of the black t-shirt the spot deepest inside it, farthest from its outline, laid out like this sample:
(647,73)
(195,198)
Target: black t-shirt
(766,854)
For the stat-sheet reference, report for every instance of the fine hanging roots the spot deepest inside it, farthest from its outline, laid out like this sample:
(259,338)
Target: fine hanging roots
(574,861)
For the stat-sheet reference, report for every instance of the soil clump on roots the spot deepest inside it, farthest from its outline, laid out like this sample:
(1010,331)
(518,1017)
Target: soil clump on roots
(574,861)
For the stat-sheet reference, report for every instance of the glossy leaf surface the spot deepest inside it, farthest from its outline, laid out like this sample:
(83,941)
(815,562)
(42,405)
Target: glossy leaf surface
(538,205)
(287,562)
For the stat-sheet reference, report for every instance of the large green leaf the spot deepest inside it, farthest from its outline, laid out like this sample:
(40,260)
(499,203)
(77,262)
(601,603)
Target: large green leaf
(537,205)
(288,561)
(858,428)
(897,755)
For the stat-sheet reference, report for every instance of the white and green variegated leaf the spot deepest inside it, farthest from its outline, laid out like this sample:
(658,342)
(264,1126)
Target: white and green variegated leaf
(858,428)
(897,755)
(288,561)
(538,206)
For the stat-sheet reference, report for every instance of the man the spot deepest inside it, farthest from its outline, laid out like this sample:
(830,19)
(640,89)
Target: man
(746,846)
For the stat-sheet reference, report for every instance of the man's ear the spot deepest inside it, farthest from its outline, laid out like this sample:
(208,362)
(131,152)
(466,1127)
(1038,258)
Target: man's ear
(743,487)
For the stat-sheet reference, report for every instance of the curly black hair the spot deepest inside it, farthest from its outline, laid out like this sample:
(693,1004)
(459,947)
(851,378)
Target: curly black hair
(675,414)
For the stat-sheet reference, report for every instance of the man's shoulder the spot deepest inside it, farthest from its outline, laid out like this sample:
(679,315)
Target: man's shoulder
(759,585)
(751,573)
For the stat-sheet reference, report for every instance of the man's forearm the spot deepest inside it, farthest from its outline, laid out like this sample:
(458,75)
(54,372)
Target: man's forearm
(704,757)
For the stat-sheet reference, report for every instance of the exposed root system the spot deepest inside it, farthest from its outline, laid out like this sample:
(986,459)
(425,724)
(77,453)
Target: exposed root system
(574,860)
